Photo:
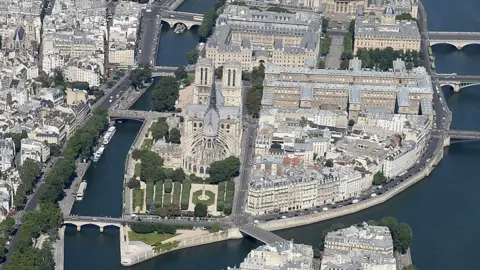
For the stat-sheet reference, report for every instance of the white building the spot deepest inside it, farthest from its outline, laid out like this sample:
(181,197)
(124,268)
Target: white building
(7,154)
(34,150)
(279,256)
(401,159)
(360,247)
(51,61)
(84,70)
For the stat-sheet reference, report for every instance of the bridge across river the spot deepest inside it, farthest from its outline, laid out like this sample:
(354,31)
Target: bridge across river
(137,115)
(458,82)
(176,17)
(457,136)
(457,39)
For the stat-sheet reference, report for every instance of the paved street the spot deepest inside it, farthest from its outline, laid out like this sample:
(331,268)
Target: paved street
(333,60)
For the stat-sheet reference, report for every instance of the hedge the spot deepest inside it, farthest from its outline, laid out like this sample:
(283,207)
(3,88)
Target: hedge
(149,194)
(221,196)
(158,194)
(227,208)
(177,189)
(168,186)
(151,227)
(186,186)
(167,199)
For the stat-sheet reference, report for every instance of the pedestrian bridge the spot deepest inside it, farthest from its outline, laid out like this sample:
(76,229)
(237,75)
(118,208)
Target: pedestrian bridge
(141,116)
(458,82)
(456,39)
(260,234)
(458,136)
(173,18)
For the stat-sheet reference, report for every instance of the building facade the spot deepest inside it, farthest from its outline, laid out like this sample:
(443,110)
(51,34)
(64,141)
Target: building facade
(255,37)
(34,150)
(7,154)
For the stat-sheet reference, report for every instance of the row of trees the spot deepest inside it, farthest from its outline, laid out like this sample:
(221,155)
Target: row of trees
(254,96)
(402,234)
(382,59)
(152,227)
(47,219)
(165,94)
(347,53)
(326,42)
(206,28)
(29,173)
(6,230)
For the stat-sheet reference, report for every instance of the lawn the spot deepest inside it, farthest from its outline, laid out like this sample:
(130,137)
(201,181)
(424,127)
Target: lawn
(147,144)
(138,169)
(138,198)
(149,238)
(209,201)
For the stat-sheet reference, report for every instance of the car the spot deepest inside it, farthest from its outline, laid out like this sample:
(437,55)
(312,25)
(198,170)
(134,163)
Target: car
(325,209)
(284,217)
(373,195)
(355,201)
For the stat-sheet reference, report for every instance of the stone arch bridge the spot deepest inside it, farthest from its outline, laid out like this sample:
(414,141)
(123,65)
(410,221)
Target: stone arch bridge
(176,17)
(456,39)
(458,82)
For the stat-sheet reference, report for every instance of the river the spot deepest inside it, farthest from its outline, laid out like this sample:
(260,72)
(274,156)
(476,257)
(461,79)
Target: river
(442,209)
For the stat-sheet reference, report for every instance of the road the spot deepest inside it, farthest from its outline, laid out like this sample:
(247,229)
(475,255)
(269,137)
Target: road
(332,60)
(149,32)
(180,221)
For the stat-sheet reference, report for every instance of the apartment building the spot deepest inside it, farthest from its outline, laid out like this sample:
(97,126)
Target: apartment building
(399,90)
(255,37)
(361,247)
(84,70)
(7,154)
(34,150)
(371,33)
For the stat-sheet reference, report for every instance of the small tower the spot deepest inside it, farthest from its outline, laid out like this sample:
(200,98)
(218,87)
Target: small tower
(232,83)
(389,15)
(204,78)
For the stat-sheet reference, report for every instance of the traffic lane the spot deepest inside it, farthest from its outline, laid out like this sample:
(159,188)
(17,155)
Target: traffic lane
(244,178)
(124,84)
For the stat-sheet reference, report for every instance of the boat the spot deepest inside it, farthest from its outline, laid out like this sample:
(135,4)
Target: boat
(119,121)
(98,154)
(81,191)
(109,135)
(180,28)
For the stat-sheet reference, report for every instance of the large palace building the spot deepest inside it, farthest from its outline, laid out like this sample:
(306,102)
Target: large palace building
(353,90)
(251,36)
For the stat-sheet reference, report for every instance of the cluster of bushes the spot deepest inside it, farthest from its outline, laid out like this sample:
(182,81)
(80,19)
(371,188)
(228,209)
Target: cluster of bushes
(29,173)
(166,247)
(149,194)
(221,196)
(186,187)
(167,199)
(177,189)
(168,186)
(227,208)
(49,217)
(152,227)
(159,194)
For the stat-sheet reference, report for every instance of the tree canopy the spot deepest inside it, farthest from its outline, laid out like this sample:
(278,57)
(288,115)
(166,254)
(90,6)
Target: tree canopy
(254,95)
(174,136)
(140,74)
(201,210)
(181,73)
(224,170)
(159,129)
(165,94)
(29,173)
(379,179)
(206,28)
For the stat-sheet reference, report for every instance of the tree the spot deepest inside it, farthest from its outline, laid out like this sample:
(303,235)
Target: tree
(321,64)
(207,25)
(329,163)
(161,211)
(216,227)
(219,72)
(174,136)
(54,149)
(327,40)
(159,130)
(58,77)
(201,210)
(140,74)
(405,17)
(133,184)
(180,73)
(254,95)
(165,94)
(178,175)
(351,122)
(192,56)
(173,210)
(224,170)
(379,179)
(402,237)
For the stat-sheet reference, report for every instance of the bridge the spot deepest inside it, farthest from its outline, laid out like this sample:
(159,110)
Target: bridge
(173,18)
(160,71)
(103,222)
(458,82)
(260,234)
(141,116)
(457,136)
(456,39)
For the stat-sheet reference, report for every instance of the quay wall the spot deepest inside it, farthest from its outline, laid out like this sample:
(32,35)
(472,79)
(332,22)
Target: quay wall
(210,238)
(281,224)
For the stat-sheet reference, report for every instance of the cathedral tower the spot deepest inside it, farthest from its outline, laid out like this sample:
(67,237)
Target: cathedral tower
(204,79)
(232,83)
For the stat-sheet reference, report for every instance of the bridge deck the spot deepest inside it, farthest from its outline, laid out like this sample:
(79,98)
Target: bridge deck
(261,235)
(464,135)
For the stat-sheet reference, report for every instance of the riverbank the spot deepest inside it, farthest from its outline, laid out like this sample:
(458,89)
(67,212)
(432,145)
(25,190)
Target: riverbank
(68,201)
(134,252)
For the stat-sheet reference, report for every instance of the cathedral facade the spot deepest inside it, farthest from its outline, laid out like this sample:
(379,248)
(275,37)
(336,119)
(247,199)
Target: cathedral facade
(212,126)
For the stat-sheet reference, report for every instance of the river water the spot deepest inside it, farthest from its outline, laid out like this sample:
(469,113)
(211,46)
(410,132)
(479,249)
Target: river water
(442,209)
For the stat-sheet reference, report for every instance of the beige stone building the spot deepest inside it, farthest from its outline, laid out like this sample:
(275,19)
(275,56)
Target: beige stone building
(376,7)
(355,89)
(372,33)
(252,37)
(344,7)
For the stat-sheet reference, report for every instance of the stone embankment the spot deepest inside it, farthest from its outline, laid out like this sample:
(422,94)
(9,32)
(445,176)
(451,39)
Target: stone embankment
(287,223)
(135,252)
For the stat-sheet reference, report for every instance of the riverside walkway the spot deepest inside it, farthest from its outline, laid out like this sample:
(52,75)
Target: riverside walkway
(66,204)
